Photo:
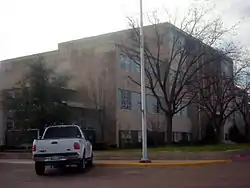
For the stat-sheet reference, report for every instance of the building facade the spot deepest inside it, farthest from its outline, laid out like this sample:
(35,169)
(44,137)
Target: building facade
(99,74)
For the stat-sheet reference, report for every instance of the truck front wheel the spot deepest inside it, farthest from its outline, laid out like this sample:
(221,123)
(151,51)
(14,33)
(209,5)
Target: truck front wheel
(40,168)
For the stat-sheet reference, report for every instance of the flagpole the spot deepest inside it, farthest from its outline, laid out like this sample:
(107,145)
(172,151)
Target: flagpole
(144,158)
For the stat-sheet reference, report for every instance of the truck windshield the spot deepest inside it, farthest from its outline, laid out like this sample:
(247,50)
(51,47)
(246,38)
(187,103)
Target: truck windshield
(62,132)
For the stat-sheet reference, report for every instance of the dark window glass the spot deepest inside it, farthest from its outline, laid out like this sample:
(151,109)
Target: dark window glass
(125,99)
(62,132)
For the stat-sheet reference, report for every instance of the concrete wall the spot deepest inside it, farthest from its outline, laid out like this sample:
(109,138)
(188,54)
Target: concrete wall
(13,70)
(92,71)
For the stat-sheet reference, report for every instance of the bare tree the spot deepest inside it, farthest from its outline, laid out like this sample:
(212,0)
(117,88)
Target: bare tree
(174,54)
(219,93)
(243,108)
(216,98)
(241,102)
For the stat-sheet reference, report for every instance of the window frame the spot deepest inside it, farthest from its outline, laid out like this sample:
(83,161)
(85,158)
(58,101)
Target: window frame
(127,104)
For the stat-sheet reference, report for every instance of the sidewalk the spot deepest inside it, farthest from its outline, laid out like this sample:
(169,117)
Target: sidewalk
(130,163)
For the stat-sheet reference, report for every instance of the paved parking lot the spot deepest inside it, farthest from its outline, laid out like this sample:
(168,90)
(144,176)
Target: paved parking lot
(231,175)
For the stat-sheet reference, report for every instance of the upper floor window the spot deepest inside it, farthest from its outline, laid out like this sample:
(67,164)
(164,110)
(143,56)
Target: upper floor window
(124,63)
(124,98)
(183,111)
(176,40)
(136,101)
(128,64)
(153,106)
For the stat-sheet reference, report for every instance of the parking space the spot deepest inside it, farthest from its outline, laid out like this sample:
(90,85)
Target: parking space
(221,175)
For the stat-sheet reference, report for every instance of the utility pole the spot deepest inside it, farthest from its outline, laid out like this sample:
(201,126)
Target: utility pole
(144,158)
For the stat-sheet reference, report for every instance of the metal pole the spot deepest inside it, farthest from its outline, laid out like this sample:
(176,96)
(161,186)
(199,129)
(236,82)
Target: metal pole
(144,158)
(199,98)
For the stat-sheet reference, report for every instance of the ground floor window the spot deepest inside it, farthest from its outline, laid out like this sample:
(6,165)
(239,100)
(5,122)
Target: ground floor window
(126,137)
(181,137)
(133,138)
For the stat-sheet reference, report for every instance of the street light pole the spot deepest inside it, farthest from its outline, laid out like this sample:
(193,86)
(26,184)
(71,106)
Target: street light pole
(144,158)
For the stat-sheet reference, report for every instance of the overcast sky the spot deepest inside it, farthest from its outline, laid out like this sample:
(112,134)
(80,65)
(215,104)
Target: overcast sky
(33,26)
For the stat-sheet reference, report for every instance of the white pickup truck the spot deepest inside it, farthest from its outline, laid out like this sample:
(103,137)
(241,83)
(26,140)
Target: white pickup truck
(60,146)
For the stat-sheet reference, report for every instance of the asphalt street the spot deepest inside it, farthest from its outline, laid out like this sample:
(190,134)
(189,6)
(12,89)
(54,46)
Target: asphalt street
(232,175)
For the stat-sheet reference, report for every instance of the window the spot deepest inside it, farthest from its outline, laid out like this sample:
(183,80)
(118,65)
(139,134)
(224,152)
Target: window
(185,136)
(138,68)
(177,38)
(173,74)
(128,64)
(153,106)
(176,136)
(126,137)
(184,111)
(151,103)
(136,101)
(157,108)
(139,135)
(135,66)
(62,132)
(124,63)
(125,99)
(191,44)
(181,136)
(10,124)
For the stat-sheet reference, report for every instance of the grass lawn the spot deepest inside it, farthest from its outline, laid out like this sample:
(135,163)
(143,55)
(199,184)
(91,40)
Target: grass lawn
(192,148)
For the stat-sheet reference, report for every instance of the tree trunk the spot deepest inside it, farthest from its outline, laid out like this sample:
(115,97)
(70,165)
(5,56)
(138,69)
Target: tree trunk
(247,133)
(168,134)
(218,131)
(101,122)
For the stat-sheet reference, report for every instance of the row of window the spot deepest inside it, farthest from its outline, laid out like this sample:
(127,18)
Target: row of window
(126,136)
(132,101)
(130,65)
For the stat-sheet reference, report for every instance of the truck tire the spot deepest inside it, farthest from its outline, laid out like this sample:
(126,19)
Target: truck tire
(82,164)
(39,168)
(90,162)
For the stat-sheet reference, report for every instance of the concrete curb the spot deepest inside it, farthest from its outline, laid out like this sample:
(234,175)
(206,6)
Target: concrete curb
(162,164)
(134,164)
